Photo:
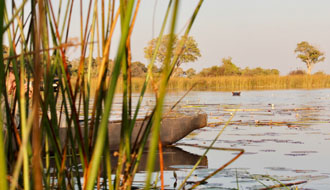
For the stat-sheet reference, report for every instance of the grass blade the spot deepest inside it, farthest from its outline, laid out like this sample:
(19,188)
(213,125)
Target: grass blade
(100,141)
(160,100)
(3,167)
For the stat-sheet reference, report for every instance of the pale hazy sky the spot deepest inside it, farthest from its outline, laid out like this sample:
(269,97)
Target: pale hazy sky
(255,33)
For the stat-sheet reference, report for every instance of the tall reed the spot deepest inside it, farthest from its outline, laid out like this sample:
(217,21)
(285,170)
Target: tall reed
(3,170)
(38,41)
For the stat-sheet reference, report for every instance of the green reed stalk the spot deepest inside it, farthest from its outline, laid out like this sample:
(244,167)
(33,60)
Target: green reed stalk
(18,89)
(49,99)
(99,94)
(108,168)
(88,82)
(145,84)
(71,98)
(65,18)
(18,11)
(160,100)
(125,152)
(51,63)
(23,105)
(3,167)
(100,141)
(129,86)
(110,17)
(150,66)
(52,130)
(125,144)
(59,11)
(20,156)
(175,60)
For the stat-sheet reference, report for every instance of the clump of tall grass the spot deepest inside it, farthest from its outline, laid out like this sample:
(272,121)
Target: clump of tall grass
(38,39)
(232,83)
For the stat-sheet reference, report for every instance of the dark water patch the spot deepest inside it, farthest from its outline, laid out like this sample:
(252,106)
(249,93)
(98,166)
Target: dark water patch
(304,171)
(249,141)
(296,154)
(313,177)
(216,186)
(304,152)
(268,150)
(194,182)
(261,134)
(278,168)
(288,169)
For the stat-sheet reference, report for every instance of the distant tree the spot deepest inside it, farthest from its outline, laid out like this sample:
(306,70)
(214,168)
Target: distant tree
(138,69)
(190,72)
(309,55)
(320,73)
(274,72)
(155,69)
(229,67)
(297,72)
(259,71)
(178,72)
(96,62)
(190,52)
(213,71)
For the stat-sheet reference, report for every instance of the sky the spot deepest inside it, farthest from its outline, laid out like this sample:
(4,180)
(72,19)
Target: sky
(255,33)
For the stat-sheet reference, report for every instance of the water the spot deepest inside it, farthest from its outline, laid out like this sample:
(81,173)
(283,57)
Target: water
(285,135)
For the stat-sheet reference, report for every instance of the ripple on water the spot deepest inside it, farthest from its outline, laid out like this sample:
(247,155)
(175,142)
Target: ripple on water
(304,171)
(296,154)
(278,168)
(268,150)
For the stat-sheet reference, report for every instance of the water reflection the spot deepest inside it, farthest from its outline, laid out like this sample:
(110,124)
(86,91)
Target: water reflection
(174,159)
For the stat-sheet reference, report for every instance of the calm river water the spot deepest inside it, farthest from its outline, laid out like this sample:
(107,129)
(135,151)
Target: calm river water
(285,135)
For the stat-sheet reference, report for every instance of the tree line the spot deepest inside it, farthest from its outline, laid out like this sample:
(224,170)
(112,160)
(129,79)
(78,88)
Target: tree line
(307,53)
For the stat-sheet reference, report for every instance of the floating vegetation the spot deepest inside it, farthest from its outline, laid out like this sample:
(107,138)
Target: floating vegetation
(304,152)
(304,171)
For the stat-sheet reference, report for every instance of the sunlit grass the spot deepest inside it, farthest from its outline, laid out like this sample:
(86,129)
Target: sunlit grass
(236,83)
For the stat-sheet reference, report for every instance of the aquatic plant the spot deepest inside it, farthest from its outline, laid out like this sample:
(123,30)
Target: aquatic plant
(38,41)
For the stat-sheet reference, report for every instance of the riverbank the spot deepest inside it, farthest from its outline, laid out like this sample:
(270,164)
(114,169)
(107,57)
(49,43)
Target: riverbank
(237,83)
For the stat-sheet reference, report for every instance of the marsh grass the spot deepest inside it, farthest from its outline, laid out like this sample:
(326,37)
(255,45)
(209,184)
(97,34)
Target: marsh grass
(234,83)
